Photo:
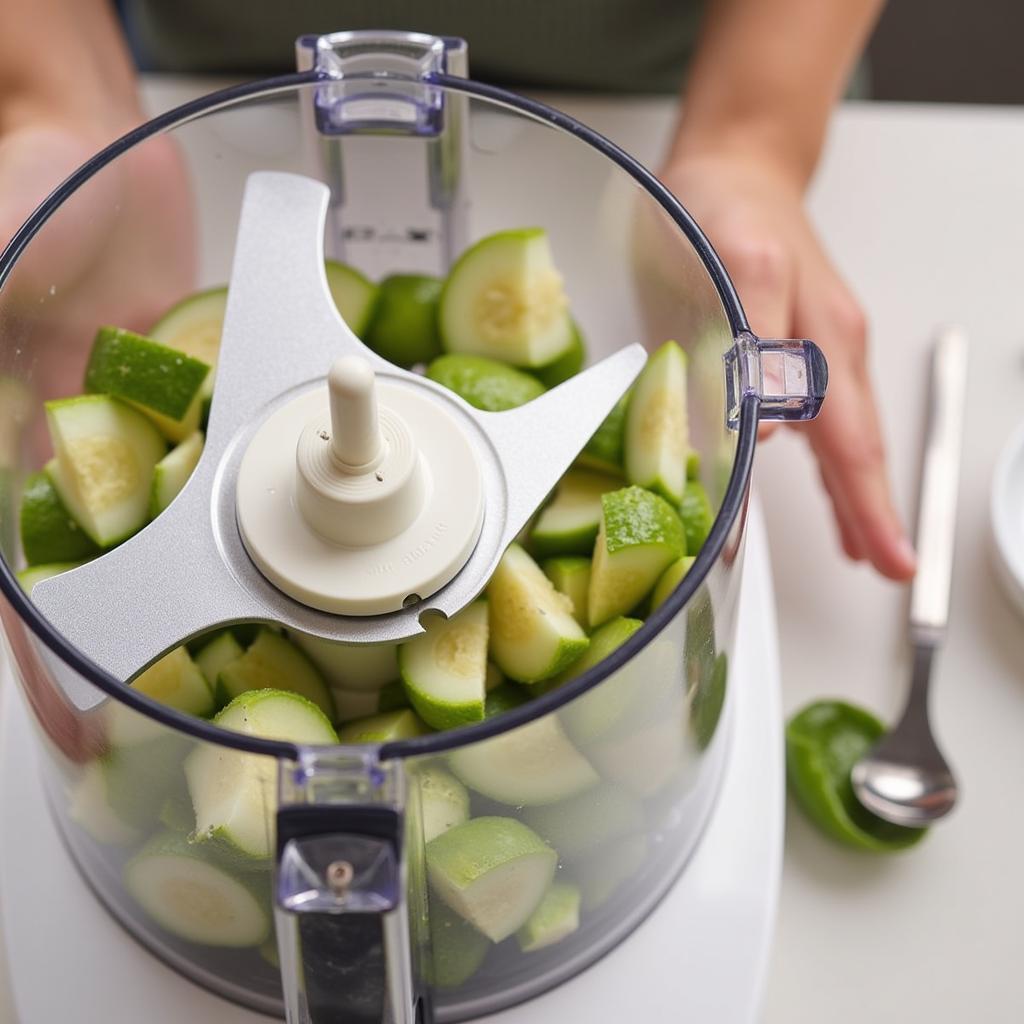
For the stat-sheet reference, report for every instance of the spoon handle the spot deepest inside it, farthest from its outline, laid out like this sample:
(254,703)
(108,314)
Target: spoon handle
(936,518)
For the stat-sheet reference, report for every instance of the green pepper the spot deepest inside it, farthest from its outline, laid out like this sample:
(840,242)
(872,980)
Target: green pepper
(824,741)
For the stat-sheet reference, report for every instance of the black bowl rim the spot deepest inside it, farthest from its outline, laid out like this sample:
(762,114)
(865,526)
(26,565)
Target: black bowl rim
(732,504)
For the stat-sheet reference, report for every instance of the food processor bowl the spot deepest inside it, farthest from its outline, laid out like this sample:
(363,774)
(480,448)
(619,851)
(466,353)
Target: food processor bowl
(616,770)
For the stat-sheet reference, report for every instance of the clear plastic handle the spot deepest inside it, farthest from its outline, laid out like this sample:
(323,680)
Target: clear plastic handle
(789,378)
(340,901)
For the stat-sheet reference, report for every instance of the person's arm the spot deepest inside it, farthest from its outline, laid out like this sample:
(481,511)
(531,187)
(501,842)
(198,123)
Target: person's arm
(67,88)
(756,106)
(65,61)
(122,249)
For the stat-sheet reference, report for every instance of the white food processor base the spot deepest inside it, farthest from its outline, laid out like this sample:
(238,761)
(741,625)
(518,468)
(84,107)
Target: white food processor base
(700,956)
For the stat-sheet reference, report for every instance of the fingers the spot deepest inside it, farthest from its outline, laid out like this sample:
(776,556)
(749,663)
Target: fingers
(846,437)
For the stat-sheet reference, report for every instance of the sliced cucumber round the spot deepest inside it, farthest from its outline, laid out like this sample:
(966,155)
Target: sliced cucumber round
(89,807)
(557,917)
(579,825)
(194,326)
(533,633)
(571,576)
(485,383)
(218,654)
(504,698)
(640,536)
(643,689)
(193,899)
(140,777)
(493,872)
(176,680)
(235,794)
(354,294)
(697,515)
(644,759)
(457,949)
(106,454)
(171,473)
(164,383)
(351,666)
(534,764)
(384,728)
(445,669)
(565,366)
(403,328)
(656,434)
(568,524)
(504,298)
(353,704)
(273,663)
(669,580)
(605,639)
(601,875)
(444,801)
(49,533)
(604,451)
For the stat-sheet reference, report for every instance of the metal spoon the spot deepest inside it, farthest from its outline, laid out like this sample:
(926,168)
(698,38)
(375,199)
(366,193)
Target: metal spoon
(904,778)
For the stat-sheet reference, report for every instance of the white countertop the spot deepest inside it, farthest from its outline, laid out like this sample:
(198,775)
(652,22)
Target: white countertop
(923,211)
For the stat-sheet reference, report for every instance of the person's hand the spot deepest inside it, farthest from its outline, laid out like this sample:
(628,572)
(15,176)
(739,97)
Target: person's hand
(755,218)
(120,251)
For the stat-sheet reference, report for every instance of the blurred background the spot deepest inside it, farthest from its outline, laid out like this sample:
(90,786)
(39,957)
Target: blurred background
(947,51)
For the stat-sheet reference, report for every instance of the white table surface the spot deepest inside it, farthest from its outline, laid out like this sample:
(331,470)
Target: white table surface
(923,210)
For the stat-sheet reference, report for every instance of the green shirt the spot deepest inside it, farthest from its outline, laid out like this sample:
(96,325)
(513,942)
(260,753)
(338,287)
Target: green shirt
(599,45)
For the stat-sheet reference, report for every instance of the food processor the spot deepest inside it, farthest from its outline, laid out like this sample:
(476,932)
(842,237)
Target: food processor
(379,151)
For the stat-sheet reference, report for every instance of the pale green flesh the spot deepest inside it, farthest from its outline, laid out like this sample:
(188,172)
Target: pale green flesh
(383,728)
(640,536)
(644,759)
(602,874)
(657,443)
(272,662)
(351,666)
(557,917)
(216,655)
(643,689)
(571,576)
(28,578)
(89,807)
(106,454)
(669,580)
(172,471)
(194,326)
(603,641)
(445,669)
(569,524)
(352,704)
(533,633)
(175,680)
(619,582)
(457,949)
(444,801)
(195,900)
(579,825)
(504,299)
(234,794)
(491,871)
(534,764)
(177,431)
(354,294)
